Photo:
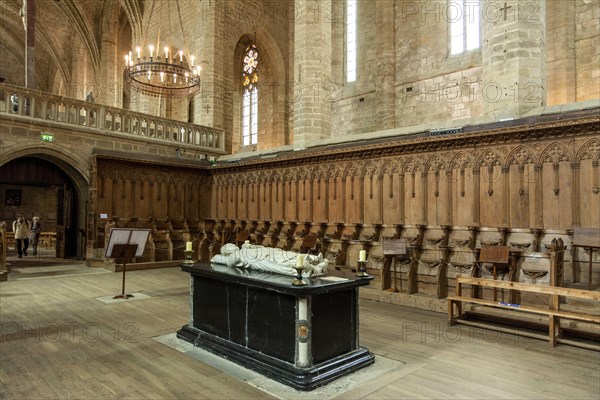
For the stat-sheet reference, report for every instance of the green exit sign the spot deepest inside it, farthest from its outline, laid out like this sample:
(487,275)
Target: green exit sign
(46,137)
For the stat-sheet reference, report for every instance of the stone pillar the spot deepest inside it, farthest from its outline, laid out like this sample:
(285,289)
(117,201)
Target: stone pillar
(312,72)
(385,91)
(204,44)
(587,26)
(81,74)
(562,77)
(29,20)
(513,57)
(109,84)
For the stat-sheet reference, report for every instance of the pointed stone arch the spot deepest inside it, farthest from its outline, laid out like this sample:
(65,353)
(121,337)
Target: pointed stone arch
(272,120)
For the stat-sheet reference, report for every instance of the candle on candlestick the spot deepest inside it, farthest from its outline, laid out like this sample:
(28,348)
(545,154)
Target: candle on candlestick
(362,255)
(188,246)
(300,261)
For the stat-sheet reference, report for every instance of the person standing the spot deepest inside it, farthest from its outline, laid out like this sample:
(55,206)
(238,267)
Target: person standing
(21,230)
(34,236)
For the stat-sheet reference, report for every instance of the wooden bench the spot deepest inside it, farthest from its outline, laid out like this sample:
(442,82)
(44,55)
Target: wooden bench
(553,311)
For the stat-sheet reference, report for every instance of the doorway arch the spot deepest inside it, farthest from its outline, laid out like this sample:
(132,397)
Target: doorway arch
(43,172)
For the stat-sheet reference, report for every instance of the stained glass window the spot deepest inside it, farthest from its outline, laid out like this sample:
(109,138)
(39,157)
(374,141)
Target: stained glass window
(250,96)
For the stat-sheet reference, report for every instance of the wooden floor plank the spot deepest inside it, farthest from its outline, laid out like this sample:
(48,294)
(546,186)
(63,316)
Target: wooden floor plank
(58,341)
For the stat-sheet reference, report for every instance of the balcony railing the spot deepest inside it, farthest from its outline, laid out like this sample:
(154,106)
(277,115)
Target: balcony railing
(44,106)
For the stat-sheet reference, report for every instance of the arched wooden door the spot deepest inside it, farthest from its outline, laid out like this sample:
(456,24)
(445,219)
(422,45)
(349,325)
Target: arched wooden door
(66,232)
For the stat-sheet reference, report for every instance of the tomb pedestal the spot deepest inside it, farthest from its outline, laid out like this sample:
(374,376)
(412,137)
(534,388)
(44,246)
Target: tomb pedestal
(302,336)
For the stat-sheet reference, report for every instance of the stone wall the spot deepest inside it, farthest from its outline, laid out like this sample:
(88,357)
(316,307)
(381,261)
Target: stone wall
(532,53)
(587,45)
(533,56)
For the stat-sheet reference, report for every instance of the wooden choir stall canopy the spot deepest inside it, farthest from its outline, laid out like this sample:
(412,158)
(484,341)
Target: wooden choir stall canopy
(302,336)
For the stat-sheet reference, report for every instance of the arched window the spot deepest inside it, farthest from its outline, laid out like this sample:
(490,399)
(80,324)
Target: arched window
(463,16)
(351,55)
(250,96)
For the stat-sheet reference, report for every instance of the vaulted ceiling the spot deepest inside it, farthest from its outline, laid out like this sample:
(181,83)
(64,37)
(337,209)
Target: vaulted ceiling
(63,29)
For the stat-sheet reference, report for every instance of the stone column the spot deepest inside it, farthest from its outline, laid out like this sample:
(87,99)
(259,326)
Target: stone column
(29,20)
(109,84)
(312,72)
(513,57)
(562,77)
(204,44)
(385,91)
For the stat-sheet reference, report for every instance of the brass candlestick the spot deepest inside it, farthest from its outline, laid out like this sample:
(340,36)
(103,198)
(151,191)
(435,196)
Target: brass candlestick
(188,257)
(361,272)
(298,280)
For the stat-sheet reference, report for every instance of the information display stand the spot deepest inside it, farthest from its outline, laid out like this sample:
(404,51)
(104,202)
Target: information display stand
(125,244)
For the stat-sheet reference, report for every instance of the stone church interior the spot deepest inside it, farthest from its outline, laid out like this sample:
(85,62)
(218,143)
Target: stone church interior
(443,155)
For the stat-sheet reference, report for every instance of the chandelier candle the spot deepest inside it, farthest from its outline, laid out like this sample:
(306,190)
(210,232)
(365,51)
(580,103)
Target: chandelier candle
(171,76)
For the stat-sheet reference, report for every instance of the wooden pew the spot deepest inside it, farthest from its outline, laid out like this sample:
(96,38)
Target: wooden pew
(553,310)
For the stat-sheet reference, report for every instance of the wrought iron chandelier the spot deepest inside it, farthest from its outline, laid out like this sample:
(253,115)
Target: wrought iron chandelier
(149,72)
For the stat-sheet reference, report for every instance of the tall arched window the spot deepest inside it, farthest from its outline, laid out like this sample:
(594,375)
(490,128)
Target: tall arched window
(351,30)
(463,16)
(250,96)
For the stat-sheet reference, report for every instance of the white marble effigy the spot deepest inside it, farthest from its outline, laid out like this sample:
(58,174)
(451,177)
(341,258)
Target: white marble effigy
(270,259)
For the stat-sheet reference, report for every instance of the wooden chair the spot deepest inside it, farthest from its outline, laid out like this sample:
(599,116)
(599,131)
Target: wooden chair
(241,237)
(395,248)
(308,243)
